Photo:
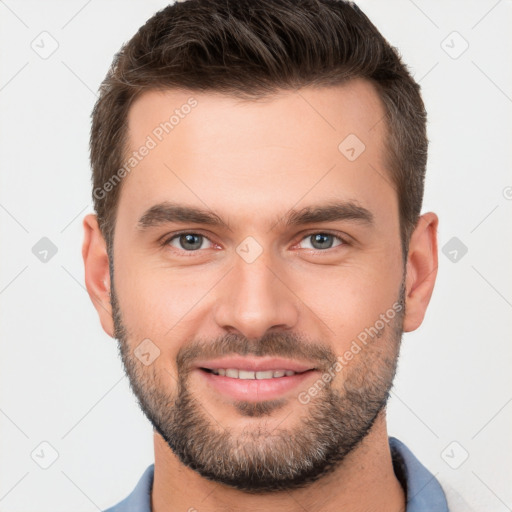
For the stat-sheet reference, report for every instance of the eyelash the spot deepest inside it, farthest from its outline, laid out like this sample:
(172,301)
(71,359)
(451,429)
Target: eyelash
(166,241)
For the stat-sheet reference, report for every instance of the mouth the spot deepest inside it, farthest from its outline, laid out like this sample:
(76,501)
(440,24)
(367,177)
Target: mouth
(254,379)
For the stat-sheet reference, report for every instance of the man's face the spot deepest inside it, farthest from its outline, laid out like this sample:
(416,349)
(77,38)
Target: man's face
(265,286)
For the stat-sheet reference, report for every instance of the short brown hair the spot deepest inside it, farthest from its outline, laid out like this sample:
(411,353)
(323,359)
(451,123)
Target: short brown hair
(251,49)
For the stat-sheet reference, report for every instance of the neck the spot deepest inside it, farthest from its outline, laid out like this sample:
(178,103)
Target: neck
(364,481)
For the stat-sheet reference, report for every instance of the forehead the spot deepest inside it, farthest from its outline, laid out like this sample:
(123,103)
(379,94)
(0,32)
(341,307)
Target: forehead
(241,157)
(332,112)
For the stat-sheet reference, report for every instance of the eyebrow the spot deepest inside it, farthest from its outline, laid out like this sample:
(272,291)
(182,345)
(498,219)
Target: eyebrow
(167,212)
(330,212)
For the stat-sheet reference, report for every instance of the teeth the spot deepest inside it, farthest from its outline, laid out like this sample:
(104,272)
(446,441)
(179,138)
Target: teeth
(234,373)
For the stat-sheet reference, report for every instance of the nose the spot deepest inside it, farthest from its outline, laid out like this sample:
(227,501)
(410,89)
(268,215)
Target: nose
(256,298)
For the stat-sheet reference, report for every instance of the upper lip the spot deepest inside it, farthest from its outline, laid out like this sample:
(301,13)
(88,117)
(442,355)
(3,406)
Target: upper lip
(255,365)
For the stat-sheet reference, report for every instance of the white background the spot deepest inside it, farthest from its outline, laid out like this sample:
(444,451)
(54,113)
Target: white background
(61,379)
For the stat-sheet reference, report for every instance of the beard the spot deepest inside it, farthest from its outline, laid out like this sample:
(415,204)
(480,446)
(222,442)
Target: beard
(260,459)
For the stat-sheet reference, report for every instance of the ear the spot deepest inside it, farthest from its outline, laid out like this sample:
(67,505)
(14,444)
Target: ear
(421,270)
(97,276)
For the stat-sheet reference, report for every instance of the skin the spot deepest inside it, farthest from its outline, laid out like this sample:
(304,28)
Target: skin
(251,162)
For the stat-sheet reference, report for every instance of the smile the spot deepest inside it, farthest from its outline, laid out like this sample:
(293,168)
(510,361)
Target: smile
(255,386)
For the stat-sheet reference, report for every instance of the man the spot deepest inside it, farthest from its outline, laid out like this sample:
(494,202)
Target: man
(258,251)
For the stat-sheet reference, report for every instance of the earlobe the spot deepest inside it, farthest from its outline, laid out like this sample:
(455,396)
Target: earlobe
(421,270)
(97,275)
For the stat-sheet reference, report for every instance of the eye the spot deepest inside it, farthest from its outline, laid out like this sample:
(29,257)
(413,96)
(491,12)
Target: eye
(322,241)
(189,242)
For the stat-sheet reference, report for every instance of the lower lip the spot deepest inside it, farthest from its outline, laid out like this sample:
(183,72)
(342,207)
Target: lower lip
(255,390)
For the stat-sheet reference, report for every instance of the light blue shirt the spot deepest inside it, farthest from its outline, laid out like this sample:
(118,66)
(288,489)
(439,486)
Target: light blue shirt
(423,491)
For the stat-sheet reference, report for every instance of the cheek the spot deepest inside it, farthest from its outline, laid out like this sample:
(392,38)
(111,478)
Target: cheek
(350,299)
(158,302)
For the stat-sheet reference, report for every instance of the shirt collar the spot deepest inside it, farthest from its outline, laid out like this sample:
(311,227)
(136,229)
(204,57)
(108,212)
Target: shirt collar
(423,491)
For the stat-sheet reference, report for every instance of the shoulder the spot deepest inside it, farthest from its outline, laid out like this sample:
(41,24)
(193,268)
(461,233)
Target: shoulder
(139,500)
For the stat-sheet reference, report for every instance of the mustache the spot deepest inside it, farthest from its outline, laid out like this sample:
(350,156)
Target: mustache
(284,344)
